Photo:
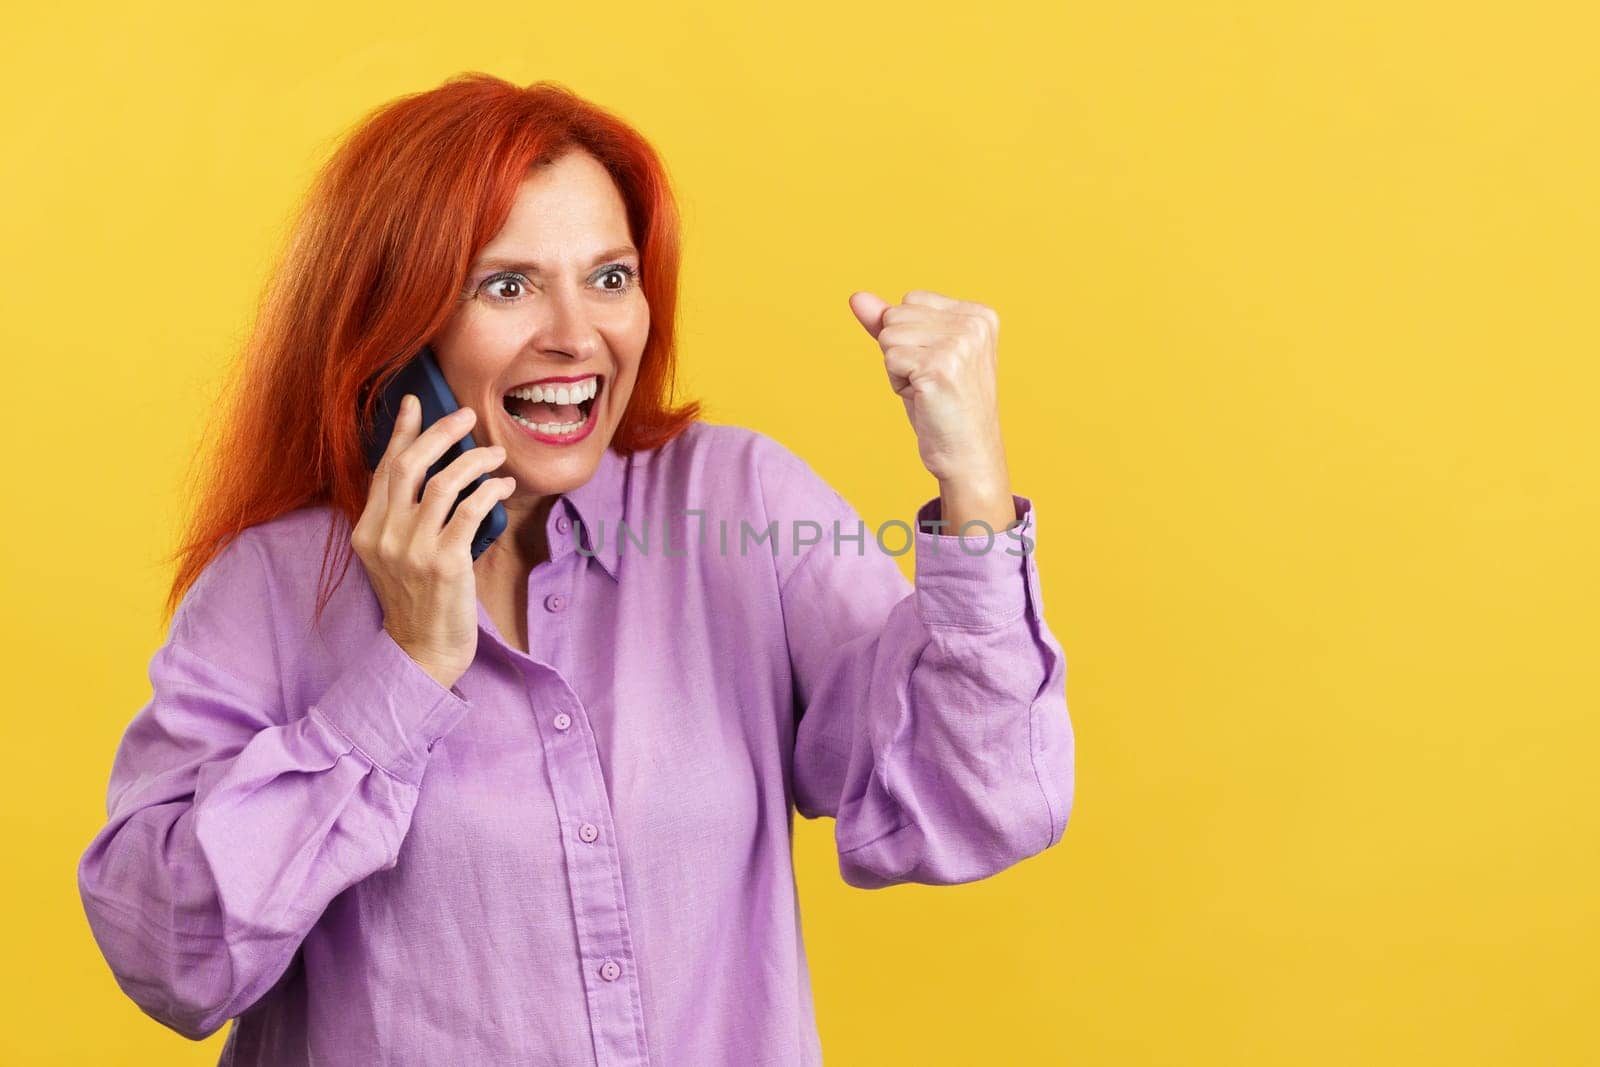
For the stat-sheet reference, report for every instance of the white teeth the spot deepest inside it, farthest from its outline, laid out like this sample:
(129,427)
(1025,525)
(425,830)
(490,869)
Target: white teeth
(558,429)
(565,393)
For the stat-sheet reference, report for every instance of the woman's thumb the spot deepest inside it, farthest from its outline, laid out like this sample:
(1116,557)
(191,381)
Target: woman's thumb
(869,310)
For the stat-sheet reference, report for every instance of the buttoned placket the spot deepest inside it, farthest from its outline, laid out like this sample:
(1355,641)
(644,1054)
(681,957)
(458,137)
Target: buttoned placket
(583,809)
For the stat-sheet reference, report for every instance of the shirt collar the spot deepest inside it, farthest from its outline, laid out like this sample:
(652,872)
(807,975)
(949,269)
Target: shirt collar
(597,507)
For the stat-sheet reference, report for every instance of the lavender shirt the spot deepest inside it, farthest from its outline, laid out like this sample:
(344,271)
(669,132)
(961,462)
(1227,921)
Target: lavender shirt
(581,854)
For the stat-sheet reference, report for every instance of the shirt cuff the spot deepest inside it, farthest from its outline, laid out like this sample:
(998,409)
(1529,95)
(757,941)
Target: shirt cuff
(390,709)
(976,582)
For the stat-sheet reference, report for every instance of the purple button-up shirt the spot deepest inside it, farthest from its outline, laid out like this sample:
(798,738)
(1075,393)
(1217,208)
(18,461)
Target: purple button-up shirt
(581,854)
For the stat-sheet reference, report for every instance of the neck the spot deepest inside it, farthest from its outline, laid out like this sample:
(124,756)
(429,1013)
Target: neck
(524,545)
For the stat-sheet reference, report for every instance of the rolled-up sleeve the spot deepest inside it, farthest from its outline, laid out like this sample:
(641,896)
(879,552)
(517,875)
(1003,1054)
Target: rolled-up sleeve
(932,715)
(232,820)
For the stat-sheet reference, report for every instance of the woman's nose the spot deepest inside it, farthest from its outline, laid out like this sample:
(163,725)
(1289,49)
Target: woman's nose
(568,324)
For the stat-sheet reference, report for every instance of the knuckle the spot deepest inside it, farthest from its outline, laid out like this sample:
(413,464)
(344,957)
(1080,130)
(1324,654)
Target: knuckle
(413,460)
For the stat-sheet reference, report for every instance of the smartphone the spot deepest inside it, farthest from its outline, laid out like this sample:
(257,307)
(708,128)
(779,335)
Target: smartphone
(423,379)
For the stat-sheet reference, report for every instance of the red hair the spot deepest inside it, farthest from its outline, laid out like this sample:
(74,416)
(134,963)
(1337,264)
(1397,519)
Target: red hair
(374,266)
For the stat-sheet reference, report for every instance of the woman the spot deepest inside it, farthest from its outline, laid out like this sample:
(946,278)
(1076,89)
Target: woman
(536,808)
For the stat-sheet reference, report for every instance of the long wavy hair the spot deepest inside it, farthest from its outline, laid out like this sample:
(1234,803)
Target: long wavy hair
(372,268)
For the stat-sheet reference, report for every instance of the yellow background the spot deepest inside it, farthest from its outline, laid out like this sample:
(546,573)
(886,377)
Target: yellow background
(1298,354)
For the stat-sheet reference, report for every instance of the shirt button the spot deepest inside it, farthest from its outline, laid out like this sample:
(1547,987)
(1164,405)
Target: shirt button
(563,524)
(609,970)
(588,831)
(563,720)
(555,602)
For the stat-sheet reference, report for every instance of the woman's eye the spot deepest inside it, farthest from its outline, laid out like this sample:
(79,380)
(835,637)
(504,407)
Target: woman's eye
(628,275)
(495,286)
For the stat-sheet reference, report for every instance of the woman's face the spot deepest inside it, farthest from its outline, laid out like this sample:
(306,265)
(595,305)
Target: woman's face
(555,295)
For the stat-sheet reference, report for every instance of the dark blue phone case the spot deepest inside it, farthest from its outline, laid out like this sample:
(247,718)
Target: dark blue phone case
(422,378)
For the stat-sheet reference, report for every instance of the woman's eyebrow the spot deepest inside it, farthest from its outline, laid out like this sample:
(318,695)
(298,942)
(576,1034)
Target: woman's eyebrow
(503,262)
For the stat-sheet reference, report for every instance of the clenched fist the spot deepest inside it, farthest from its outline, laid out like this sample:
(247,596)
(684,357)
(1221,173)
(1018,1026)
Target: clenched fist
(941,356)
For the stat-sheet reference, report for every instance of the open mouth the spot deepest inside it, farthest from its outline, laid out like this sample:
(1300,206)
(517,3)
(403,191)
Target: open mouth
(554,408)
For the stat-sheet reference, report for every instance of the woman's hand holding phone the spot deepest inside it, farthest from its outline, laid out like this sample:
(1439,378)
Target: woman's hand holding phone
(419,565)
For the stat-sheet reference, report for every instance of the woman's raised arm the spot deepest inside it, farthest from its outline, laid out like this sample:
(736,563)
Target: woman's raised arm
(933,721)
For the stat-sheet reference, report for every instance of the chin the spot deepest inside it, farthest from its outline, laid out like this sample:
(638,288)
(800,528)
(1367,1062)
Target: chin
(563,468)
